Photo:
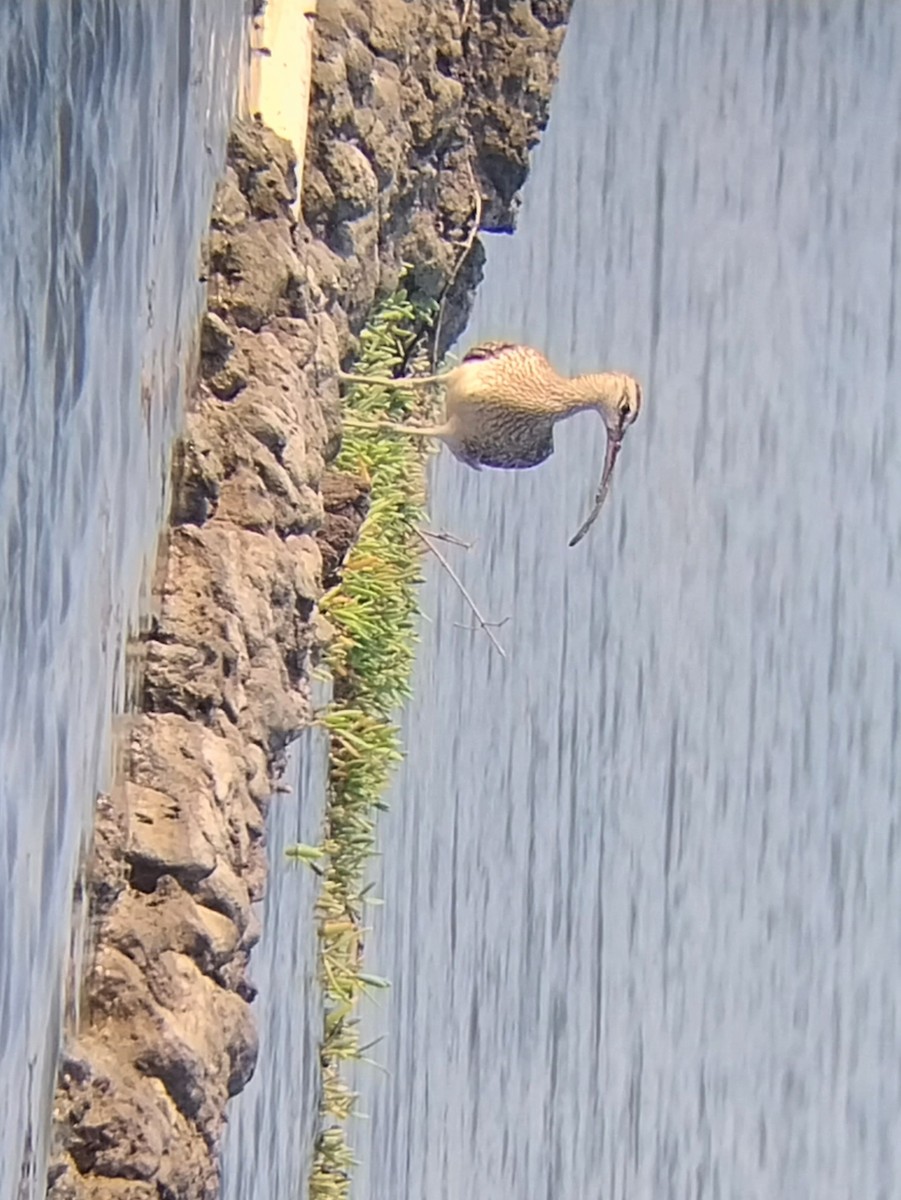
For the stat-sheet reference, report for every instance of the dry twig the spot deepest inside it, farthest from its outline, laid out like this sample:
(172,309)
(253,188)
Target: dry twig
(461,587)
(450,538)
(488,625)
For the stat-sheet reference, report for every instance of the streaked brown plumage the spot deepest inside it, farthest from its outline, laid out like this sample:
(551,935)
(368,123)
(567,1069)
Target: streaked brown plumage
(503,400)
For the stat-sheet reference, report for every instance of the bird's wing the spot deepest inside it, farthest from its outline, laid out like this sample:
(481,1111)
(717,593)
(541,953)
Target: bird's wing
(526,358)
(509,459)
(507,443)
(488,350)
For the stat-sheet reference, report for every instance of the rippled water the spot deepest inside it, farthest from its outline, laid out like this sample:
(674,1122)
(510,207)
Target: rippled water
(112,131)
(268,1144)
(643,898)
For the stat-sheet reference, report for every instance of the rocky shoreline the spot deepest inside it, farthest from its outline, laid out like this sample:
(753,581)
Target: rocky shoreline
(415,109)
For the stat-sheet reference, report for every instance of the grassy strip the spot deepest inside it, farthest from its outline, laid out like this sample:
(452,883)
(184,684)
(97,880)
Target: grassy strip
(374,611)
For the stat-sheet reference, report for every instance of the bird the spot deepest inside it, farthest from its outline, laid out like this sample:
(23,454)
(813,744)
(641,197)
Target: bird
(501,403)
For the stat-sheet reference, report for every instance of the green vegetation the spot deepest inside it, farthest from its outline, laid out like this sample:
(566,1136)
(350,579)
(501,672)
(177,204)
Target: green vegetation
(374,611)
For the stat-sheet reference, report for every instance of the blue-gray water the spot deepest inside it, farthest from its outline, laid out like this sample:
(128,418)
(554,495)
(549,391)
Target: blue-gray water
(643,897)
(113,119)
(268,1143)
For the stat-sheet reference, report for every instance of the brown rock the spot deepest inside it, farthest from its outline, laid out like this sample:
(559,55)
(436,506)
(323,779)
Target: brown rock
(256,263)
(225,892)
(358,62)
(244,500)
(346,500)
(318,198)
(230,206)
(167,836)
(119,1135)
(143,927)
(391,27)
(352,180)
(201,1043)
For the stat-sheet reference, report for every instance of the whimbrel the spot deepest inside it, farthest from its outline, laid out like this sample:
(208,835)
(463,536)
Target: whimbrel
(501,405)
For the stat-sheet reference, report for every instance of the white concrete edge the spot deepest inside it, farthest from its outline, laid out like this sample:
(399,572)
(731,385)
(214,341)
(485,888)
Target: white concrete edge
(277,84)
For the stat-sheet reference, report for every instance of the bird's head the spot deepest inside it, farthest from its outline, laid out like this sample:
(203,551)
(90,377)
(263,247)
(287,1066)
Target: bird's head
(622,404)
(619,405)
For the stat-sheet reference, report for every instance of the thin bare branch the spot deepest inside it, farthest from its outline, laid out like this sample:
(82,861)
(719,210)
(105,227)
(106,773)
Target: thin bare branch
(483,624)
(476,628)
(451,538)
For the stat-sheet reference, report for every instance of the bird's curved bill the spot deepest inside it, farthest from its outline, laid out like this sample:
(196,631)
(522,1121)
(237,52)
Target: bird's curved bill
(614,442)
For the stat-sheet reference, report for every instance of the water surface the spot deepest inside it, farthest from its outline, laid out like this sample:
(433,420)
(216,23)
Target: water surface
(643,898)
(113,118)
(268,1143)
